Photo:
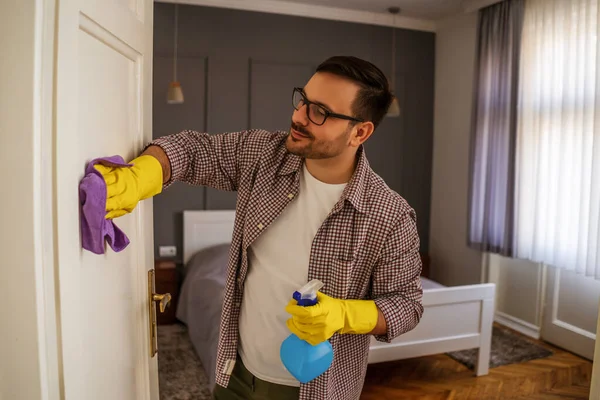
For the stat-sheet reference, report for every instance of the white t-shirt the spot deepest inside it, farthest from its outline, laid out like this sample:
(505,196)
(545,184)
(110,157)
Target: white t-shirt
(278,266)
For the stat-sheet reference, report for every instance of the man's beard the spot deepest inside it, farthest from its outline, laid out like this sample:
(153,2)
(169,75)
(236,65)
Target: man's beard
(310,148)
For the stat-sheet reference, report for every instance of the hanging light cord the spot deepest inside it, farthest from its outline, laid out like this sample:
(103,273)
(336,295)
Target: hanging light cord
(175,44)
(394,11)
(394,56)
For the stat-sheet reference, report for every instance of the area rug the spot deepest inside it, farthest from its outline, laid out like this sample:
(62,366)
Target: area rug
(180,372)
(507,348)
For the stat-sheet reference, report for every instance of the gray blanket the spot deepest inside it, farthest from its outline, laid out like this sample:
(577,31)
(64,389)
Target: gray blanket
(200,300)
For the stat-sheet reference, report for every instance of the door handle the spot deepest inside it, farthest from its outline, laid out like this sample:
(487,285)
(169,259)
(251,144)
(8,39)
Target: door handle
(164,300)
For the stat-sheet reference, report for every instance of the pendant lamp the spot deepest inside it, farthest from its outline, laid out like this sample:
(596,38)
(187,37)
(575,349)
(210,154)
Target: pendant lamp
(175,94)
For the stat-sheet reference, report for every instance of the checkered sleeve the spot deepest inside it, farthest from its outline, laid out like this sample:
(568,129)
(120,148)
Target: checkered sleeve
(396,284)
(211,160)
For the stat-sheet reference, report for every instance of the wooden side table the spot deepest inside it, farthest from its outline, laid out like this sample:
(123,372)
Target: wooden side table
(167,281)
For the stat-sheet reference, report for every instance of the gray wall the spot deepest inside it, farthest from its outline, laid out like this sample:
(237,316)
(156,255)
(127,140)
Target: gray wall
(452,261)
(237,70)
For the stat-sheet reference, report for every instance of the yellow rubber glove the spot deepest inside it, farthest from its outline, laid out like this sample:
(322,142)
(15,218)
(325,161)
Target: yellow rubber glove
(317,323)
(126,186)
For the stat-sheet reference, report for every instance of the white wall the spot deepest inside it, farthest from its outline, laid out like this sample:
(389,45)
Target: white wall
(19,351)
(452,262)
(519,293)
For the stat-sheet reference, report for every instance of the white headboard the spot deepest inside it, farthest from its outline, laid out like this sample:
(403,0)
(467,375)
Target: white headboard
(202,229)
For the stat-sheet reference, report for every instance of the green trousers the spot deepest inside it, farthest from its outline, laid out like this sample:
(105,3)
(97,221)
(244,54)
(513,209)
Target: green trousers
(245,386)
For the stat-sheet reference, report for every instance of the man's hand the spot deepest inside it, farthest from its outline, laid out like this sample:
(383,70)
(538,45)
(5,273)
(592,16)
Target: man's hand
(317,323)
(126,186)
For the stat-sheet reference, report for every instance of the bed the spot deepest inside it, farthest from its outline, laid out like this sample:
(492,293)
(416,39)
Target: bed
(455,318)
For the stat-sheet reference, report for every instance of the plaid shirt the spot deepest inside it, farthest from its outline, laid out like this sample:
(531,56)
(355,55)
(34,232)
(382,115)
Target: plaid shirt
(367,248)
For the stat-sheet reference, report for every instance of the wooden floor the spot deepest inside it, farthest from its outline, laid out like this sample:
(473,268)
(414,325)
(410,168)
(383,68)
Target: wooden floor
(560,376)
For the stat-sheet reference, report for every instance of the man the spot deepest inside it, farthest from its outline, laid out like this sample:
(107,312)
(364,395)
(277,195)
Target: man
(308,207)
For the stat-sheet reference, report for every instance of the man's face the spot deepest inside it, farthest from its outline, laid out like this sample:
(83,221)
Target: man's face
(309,140)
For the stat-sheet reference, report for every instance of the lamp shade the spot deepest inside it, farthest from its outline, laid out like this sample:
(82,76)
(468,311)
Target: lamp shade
(175,94)
(394,110)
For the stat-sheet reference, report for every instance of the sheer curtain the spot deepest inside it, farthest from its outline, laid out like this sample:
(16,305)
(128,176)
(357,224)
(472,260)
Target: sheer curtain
(557,193)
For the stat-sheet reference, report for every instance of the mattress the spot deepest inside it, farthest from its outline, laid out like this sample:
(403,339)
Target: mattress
(201,297)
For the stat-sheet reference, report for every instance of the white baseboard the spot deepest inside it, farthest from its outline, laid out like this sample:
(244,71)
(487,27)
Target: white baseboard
(524,327)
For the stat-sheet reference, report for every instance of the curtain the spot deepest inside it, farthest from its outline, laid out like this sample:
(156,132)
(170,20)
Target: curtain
(557,190)
(493,128)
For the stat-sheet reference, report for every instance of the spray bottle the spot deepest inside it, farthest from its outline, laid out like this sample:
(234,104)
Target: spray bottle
(303,360)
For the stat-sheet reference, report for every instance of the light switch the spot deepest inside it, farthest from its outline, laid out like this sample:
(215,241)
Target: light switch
(167,251)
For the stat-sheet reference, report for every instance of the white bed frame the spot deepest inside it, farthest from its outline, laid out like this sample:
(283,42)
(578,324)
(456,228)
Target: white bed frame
(455,318)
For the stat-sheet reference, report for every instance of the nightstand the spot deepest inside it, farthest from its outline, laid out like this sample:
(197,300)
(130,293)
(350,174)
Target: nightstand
(167,281)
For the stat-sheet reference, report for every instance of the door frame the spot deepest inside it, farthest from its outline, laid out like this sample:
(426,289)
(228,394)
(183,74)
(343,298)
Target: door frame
(40,59)
(47,286)
(35,123)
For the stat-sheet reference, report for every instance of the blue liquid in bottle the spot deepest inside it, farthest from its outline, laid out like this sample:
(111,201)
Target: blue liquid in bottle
(303,360)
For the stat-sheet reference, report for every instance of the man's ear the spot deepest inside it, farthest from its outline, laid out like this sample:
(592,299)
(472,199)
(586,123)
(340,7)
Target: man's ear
(363,131)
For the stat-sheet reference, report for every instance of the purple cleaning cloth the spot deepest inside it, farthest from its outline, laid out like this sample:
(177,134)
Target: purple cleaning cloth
(95,228)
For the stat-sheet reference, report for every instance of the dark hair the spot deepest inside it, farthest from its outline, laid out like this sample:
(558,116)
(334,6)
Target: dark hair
(374,97)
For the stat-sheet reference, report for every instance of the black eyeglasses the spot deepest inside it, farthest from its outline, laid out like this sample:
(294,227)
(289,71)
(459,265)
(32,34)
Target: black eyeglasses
(316,113)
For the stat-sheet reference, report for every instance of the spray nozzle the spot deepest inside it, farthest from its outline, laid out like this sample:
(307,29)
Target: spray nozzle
(307,294)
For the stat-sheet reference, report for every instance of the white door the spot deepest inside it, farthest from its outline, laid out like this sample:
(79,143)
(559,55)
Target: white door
(103,108)
(595,384)
(571,311)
